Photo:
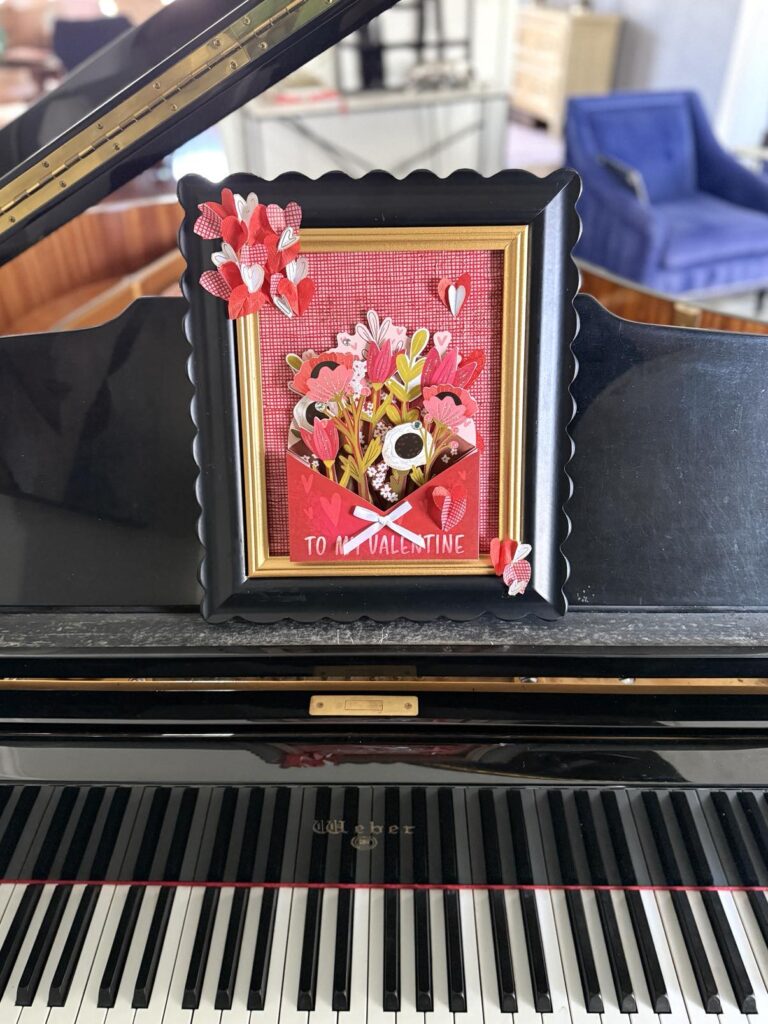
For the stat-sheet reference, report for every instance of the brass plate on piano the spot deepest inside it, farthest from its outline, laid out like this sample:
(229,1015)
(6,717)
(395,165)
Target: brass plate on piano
(366,706)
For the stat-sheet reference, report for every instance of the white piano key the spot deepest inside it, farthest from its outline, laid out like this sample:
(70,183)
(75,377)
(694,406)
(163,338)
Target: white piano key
(689,991)
(239,1013)
(359,983)
(645,1013)
(153,1014)
(408,1013)
(271,1013)
(289,1012)
(471,967)
(206,1013)
(441,1013)
(376,1012)
(38,1012)
(9,1012)
(323,1012)
(13,895)
(611,1013)
(123,1011)
(755,937)
(6,891)
(487,960)
(93,958)
(174,1013)
(747,950)
(730,1013)
(561,1008)
(568,960)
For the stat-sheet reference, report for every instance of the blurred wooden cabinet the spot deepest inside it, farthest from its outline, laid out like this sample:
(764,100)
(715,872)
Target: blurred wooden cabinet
(562,53)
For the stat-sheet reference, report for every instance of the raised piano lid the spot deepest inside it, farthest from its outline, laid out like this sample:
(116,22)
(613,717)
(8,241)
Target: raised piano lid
(151,90)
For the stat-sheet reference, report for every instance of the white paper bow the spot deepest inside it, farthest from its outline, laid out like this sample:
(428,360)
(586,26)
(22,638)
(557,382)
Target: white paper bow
(378,521)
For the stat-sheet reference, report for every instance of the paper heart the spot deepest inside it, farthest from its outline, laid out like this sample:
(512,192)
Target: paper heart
(503,552)
(246,207)
(216,284)
(450,506)
(227,255)
(242,302)
(288,239)
(292,300)
(208,224)
(517,576)
(332,508)
(253,277)
(455,293)
(279,219)
(297,269)
(307,481)
(442,340)
(253,253)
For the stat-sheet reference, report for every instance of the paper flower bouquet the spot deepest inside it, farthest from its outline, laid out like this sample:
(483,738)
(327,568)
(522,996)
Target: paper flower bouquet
(383,448)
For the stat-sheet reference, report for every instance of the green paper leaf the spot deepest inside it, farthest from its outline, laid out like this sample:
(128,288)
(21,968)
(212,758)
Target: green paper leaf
(419,342)
(293,361)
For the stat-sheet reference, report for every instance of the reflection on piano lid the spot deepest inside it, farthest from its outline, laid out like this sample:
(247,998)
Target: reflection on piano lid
(153,89)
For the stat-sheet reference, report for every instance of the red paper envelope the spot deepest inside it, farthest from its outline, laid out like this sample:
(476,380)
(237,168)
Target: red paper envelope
(437,522)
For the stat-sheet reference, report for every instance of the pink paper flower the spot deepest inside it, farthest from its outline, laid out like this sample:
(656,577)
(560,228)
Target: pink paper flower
(439,369)
(381,362)
(322,440)
(313,365)
(329,384)
(449,407)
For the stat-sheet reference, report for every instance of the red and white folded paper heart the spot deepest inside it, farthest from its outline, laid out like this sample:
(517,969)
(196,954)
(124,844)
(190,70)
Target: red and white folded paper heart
(436,522)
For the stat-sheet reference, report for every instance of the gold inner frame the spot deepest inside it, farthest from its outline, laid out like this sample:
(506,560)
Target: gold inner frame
(512,241)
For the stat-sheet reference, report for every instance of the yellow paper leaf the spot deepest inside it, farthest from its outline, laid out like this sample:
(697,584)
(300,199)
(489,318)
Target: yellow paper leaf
(419,342)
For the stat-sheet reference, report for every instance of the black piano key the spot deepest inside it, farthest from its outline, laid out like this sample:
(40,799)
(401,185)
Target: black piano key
(742,858)
(702,869)
(73,946)
(310,952)
(654,978)
(457,988)
(590,984)
(421,922)
(202,944)
(16,824)
(118,954)
(391,901)
(619,970)
(342,964)
(542,998)
(257,992)
(158,926)
(702,971)
(49,848)
(193,985)
(225,990)
(502,949)
(41,948)
(145,979)
(757,824)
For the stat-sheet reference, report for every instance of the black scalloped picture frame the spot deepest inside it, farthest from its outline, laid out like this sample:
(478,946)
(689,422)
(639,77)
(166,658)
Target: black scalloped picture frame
(465,198)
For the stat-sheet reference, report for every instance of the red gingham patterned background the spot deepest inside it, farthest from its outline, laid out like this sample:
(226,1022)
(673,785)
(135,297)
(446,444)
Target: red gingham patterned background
(402,285)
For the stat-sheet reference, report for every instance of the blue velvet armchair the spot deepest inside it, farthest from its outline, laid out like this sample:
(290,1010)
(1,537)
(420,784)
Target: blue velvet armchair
(663,204)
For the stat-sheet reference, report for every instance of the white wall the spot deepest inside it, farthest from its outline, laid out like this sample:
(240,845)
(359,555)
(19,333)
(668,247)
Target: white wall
(743,111)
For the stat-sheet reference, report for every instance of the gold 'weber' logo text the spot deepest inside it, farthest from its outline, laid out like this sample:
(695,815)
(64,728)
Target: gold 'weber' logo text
(363,836)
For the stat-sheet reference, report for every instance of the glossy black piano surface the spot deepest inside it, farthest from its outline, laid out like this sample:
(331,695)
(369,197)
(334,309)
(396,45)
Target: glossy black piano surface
(97,504)
(269,867)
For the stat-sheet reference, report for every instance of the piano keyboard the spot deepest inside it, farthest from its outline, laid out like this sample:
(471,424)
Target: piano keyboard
(103,917)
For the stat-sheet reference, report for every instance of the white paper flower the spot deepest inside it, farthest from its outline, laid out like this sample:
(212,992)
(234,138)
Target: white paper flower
(405,446)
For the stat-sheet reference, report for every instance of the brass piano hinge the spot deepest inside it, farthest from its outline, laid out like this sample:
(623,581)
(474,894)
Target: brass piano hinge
(367,706)
(241,43)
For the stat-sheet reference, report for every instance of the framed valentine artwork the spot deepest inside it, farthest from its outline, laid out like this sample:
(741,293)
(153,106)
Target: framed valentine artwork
(382,372)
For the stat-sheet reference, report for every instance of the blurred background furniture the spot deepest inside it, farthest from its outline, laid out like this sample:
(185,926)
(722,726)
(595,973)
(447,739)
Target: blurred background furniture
(74,41)
(559,54)
(663,203)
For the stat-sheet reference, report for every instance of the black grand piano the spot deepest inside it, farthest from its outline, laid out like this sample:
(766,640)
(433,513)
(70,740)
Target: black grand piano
(349,821)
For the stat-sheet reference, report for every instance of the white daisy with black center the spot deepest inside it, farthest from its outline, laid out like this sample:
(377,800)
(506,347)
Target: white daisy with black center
(306,411)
